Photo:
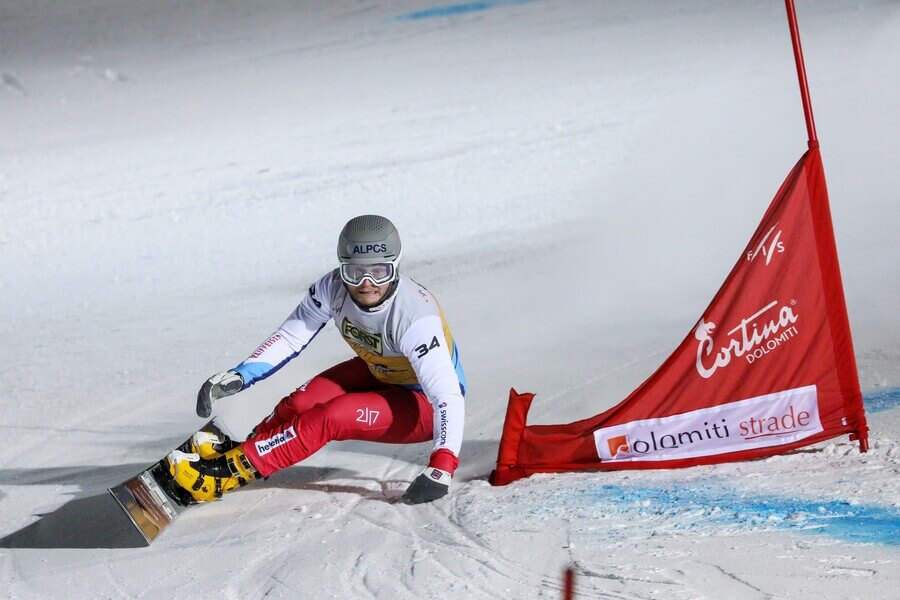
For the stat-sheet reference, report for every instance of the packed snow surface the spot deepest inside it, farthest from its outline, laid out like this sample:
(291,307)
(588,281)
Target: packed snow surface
(573,179)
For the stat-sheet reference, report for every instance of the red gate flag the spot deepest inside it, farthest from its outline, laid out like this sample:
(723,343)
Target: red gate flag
(768,368)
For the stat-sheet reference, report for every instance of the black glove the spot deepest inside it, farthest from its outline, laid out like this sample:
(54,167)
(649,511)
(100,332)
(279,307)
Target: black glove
(430,485)
(218,386)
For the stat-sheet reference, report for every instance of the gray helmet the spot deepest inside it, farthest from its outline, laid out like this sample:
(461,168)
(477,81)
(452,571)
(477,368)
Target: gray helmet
(367,240)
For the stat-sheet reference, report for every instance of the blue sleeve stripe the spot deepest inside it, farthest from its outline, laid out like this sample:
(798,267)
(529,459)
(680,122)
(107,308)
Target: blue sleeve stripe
(460,374)
(252,372)
(257,371)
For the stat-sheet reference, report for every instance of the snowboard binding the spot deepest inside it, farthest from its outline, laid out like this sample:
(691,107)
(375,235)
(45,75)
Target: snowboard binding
(208,480)
(208,444)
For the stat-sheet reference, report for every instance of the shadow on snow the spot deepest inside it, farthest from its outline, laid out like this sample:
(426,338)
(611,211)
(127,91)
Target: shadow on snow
(92,519)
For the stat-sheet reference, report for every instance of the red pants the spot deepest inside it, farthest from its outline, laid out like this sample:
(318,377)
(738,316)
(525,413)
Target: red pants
(345,402)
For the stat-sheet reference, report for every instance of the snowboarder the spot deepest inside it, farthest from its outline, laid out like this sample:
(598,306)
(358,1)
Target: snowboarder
(406,384)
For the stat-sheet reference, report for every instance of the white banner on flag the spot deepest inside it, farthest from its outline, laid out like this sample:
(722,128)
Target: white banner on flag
(769,420)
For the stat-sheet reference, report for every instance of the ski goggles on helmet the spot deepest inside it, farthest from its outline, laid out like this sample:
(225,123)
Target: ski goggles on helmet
(379,273)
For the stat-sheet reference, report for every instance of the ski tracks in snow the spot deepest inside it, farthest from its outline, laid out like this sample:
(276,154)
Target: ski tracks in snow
(624,533)
(743,530)
(366,544)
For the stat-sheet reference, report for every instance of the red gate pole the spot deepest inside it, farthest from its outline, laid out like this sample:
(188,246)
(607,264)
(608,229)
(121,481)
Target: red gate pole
(801,74)
(569,585)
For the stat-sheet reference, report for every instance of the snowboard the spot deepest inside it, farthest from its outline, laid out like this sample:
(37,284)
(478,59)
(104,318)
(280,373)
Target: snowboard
(151,499)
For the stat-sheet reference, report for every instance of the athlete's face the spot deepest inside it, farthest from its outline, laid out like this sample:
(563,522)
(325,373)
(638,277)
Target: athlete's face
(367,293)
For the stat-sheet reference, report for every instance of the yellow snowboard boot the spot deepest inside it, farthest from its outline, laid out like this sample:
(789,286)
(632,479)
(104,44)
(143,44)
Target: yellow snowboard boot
(211,445)
(207,480)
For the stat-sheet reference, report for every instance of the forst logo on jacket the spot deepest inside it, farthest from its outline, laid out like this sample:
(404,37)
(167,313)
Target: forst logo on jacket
(354,333)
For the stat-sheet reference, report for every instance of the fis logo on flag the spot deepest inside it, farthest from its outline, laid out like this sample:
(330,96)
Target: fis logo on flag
(768,246)
(754,337)
(265,446)
(769,420)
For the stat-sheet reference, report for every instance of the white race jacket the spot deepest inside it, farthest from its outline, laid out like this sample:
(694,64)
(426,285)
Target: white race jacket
(405,341)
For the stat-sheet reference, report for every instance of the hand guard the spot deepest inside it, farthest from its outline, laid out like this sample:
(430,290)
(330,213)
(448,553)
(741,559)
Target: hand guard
(430,485)
(218,386)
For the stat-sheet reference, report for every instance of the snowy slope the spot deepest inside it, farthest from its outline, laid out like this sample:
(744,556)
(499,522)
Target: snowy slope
(573,179)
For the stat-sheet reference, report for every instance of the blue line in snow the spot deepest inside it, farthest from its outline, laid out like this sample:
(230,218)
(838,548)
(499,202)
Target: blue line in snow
(449,10)
(858,523)
(883,399)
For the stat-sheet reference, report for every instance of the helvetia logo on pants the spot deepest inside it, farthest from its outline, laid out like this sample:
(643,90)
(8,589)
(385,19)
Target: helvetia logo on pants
(279,439)
(770,420)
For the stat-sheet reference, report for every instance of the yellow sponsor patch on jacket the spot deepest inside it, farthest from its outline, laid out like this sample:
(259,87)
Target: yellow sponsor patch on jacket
(356,335)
